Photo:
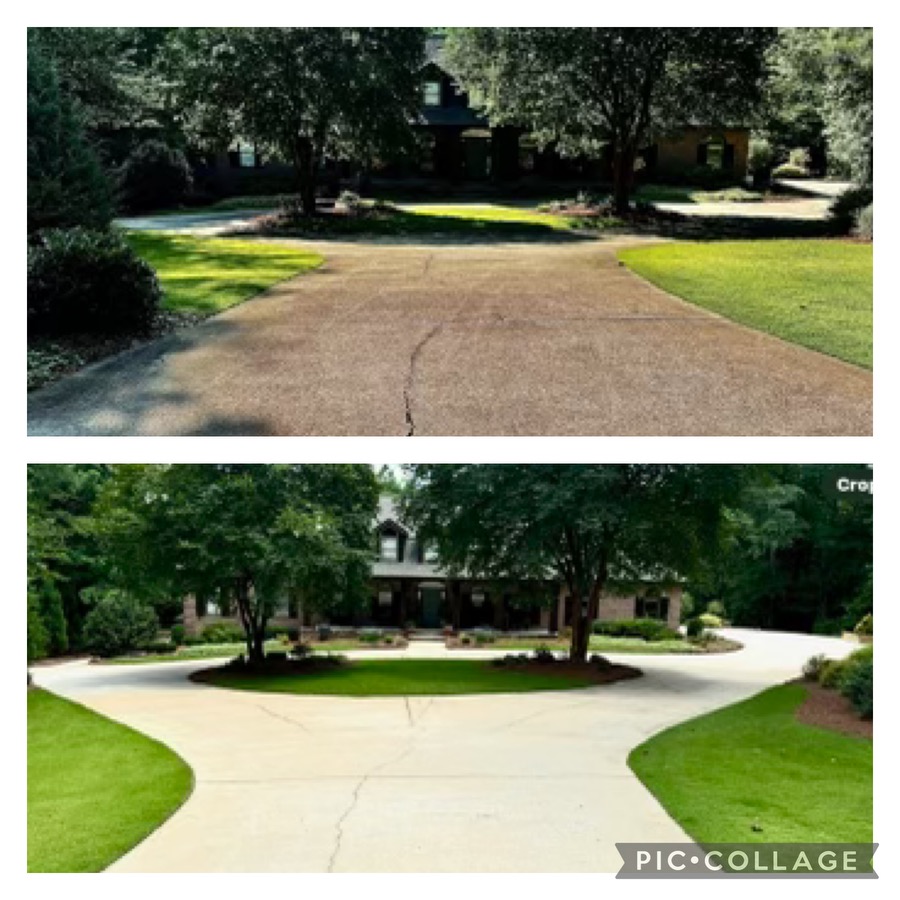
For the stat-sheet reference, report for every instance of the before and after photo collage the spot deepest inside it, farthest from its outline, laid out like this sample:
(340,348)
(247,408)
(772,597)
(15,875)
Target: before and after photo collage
(610,610)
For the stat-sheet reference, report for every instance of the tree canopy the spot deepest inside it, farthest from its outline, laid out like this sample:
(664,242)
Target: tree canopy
(586,89)
(587,525)
(300,93)
(252,533)
(821,91)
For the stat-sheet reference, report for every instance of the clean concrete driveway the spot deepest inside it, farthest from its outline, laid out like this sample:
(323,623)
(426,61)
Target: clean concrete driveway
(482,783)
(519,339)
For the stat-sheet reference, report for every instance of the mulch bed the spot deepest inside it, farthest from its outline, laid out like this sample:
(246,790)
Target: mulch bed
(51,358)
(825,708)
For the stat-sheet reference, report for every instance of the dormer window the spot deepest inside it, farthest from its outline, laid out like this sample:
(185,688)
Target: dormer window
(430,554)
(431,93)
(390,546)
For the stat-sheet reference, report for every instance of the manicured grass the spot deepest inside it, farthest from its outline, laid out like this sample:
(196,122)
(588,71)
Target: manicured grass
(198,651)
(754,764)
(389,678)
(600,644)
(664,193)
(207,275)
(817,293)
(95,788)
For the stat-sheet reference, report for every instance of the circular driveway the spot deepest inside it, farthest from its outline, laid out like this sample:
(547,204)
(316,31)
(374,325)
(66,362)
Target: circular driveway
(482,783)
(406,339)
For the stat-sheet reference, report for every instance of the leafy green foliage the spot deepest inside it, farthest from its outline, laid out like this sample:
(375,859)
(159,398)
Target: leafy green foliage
(590,89)
(119,623)
(579,523)
(84,281)
(864,626)
(864,224)
(820,96)
(646,629)
(154,176)
(300,93)
(250,533)
(66,184)
(857,685)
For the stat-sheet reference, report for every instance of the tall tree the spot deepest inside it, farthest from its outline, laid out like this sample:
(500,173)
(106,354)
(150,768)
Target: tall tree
(586,89)
(587,525)
(821,90)
(254,534)
(66,183)
(301,93)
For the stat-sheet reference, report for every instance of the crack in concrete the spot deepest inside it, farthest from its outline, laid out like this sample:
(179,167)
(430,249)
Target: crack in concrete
(408,387)
(339,825)
(282,718)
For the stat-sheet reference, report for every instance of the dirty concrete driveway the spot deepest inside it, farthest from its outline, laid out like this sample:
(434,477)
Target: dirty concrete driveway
(551,338)
(483,783)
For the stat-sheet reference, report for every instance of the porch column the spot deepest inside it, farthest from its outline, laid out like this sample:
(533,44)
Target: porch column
(561,608)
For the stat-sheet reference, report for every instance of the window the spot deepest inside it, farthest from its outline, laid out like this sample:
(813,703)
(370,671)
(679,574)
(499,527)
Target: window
(477,599)
(431,93)
(246,156)
(430,554)
(385,598)
(389,547)
(651,608)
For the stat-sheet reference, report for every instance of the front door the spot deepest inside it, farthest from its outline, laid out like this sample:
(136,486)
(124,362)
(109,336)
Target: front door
(431,607)
(477,155)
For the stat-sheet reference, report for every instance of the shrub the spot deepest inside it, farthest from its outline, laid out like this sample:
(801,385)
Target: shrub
(323,632)
(119,624)
(484,637)
(159,647)
(812,668)
(276,656)
(601,662)
(857,685)
(85,281)
(788,171)
(831,673)
(302,651)
(695,628)
(864,226)
(716,608)
(222,633)
(864,626)
(67,186)
(760,159)
(708,620)
(154,176)
(646,629)
(543,654)
(370,635)
(466,640)
(177,634)
(847,207)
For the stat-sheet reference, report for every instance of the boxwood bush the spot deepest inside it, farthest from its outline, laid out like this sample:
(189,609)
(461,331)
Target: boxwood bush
(154,176)
(857,685)
(646,629)
(82,281)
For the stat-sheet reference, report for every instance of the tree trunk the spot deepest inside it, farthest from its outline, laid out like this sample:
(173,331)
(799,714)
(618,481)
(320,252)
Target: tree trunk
(254,629)
(305,166)
(623,178)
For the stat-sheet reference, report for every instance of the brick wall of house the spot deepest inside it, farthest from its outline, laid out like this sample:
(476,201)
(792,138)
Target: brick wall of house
(679,152)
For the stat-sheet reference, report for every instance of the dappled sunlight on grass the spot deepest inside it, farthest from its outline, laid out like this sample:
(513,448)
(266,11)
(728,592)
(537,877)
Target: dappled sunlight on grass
(207,275)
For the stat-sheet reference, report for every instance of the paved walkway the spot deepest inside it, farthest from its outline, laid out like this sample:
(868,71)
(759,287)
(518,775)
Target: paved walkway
(484,783)
(453,339)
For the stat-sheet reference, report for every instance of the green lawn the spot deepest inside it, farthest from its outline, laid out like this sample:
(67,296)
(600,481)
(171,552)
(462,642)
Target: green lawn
(817,293)
(207,275)
(754,764)
(95,788)
(665,193)
(390,678)
(600,644)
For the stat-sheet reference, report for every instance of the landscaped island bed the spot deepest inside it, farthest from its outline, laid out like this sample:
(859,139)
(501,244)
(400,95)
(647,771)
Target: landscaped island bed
(95,788)
(372,678)
(753,772)
(817,293)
